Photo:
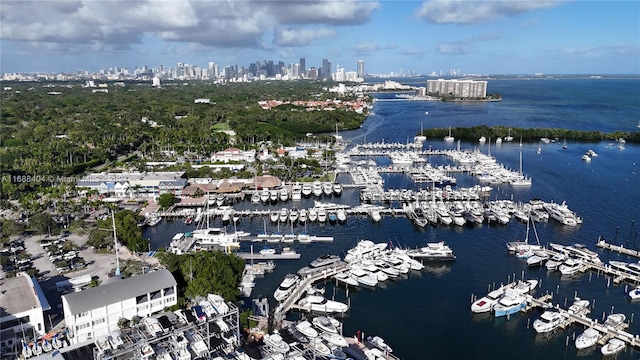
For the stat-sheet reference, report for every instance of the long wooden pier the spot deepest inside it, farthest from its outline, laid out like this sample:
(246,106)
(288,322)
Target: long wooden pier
(603,244)
(302,287)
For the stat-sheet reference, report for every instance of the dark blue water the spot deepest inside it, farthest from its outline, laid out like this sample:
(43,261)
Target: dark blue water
(428,315)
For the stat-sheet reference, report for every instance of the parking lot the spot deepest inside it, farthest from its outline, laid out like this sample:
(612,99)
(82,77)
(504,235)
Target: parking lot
(98,266)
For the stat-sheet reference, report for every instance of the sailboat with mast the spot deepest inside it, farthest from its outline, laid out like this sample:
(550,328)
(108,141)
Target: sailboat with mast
(508,138)
(449,138)
(521,179)
(523,248)
(420,137)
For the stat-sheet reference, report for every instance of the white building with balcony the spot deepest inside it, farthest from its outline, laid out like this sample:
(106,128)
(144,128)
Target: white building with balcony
(96,311)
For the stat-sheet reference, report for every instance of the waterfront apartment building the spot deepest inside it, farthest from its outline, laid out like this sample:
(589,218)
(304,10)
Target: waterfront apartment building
(134,183)
(96,311)
(459,88)
(21,310)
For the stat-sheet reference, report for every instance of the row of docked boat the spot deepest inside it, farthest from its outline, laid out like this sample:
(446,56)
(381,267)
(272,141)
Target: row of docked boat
(372,263)
(314,214)
(505,300)
(320,336)
(296,192)
(552,318)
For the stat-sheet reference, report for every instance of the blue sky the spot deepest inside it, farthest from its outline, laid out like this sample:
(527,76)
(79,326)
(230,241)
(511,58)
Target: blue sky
(477,37)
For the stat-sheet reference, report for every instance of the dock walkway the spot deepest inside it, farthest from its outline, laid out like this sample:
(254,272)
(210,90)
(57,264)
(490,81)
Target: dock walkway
(302,287)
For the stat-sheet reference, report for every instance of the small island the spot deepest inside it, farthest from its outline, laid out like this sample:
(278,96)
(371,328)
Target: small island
(533,134)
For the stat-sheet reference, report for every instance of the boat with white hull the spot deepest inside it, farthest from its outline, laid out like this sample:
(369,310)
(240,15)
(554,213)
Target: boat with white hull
(511,302)
(286,287)
(613,346)
(548,321)
(571,266)
(486,303)
(320,304)
(588,338)
(438,251)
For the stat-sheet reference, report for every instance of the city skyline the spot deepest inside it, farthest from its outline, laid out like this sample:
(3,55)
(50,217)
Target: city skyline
(480,37)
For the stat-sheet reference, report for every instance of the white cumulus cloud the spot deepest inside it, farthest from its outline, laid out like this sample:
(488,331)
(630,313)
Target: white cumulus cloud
(472,12)
(300,36)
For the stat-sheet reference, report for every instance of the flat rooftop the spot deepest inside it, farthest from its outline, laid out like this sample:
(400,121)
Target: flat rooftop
(18,295)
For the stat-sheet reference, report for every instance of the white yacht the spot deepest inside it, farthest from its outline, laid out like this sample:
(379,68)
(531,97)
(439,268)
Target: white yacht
(615,320)
(561,213)
(306,190)
(286,287)
(613,346)
(345,278)
(438,251)
(283,215)
(313,214)
(363,277)
(275,342)
(337,189)
(570,266)
(306,329)
(341,214)
(273,196)
(380,344)
(581,251)
(319,303)
(588,338)
(317,188)
(548,321)
(486,303)
(335,340)
(635,293)
(303,215)
(364,248)
(284,194)
(327,189)
(510,303)
(556,260)
(255,197)
(324,260)
(296,192)
(578,306)
(293,215)
(326,324)
(443,216)
(322,215)
(264,195)
(216,237)
(375,215)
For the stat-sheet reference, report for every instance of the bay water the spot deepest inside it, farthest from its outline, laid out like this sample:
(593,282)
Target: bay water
(427,315)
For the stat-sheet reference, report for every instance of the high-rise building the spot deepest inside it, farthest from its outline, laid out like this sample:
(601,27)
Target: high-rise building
(460,88)
(303,65)
(360,68)
(326,69)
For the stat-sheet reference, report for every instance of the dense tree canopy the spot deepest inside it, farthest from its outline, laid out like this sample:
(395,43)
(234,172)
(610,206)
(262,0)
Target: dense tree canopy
(66,129)
(201,273)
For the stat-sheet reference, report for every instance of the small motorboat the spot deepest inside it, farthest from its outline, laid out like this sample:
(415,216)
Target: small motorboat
(548,321)
(613,346)
(578,306)
(326,324)
(615,320)
(635,293)
(380,344)
(588,338)
(306,329)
